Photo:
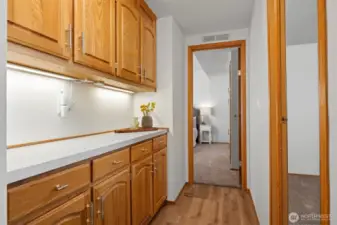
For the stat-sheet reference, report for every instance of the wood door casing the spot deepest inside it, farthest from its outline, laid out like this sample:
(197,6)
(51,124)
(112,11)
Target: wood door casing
(142,191)
(148,49)
(74,212)
(42,25)
(113,195)
(128,41)
(159,179)
(95,34)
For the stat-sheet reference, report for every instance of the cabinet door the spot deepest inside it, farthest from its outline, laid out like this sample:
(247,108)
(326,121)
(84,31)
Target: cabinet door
(95,34)
(112,200)
(160,179)
(45,25)
(76,211)
(148,49)
(128,40)
(142,192)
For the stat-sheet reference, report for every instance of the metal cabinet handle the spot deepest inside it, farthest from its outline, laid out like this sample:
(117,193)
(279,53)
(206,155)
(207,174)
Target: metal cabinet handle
(116,162)
(101,211)
(144,149)
(69,36)
(102,208)
(61,187)
(90,219)
(82,43)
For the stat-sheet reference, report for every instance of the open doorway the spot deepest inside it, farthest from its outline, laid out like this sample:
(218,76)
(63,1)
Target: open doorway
(217,114)
(215,117)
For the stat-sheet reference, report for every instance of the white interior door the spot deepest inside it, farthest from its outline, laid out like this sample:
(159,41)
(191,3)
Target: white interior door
(234,108)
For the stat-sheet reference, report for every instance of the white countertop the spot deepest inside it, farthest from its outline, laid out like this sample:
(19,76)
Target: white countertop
(33,160)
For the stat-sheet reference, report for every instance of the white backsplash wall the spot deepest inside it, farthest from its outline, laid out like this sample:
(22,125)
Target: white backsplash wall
(32,103)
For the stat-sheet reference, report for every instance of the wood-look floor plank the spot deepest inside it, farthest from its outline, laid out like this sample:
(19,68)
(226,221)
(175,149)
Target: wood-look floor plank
(209,205)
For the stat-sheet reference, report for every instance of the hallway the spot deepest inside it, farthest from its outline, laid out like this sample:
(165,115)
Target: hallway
(207,205)
(212,166)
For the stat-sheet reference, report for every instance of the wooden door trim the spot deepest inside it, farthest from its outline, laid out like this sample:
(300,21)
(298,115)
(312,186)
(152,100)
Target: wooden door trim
(276,16)
(241,44)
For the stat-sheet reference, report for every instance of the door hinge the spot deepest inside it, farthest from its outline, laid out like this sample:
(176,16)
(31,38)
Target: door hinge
(284,120)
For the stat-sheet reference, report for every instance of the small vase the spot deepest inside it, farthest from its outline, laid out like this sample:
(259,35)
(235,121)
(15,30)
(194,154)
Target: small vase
(147,122)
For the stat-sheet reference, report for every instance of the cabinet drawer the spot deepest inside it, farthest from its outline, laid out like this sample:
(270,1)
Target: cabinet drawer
(110,163)
(36,194)
(159,143)
(141,150)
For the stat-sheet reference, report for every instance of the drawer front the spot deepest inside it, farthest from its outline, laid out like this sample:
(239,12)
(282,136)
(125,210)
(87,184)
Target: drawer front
(110,163)
(159,143)
(36,194)
(141,150)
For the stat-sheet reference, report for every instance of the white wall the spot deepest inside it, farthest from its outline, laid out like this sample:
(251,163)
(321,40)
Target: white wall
(211,90)
(332,56)
(170,111)
(303,109)
(32,103)
(3,152)
(241,34)
(259,111)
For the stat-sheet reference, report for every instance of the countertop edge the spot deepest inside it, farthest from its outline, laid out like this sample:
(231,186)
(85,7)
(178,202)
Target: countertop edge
(28,172)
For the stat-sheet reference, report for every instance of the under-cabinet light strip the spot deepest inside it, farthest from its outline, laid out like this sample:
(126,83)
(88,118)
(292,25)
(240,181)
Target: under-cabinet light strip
(43,73)
(37,72)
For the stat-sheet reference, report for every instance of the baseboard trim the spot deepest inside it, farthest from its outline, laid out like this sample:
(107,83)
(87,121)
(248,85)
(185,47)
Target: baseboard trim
(251,197)
(298,174)
(168,202)
(219,142)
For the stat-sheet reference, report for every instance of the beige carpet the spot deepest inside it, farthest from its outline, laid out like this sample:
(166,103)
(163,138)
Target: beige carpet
(212,165)
(304,196)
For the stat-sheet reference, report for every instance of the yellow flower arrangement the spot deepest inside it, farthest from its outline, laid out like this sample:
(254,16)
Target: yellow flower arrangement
(147,108)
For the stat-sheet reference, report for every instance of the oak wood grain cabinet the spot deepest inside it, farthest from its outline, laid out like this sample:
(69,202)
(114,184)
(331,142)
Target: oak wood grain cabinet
(142,191)
(159,179)
(94,37)
(39,194)
(112,200)
(42,25)
(100,191)
(77,211)
(148,45)
(128,40)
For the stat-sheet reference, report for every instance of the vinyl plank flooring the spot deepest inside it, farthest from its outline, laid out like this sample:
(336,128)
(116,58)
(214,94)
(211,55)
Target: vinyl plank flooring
(209,205)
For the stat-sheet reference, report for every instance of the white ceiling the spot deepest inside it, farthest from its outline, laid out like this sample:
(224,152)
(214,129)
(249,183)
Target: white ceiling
(213,62)
(205,16)
(302,25)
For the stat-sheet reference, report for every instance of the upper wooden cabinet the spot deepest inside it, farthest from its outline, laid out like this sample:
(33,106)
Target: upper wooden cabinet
(148,46)
(142,191)
(107,41)
(112,200)
(44,25)
(76,211)
(95,34)
(128,41)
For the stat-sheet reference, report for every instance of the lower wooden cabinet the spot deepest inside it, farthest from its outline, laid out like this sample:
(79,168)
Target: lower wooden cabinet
(159,179)
(142,191)
(75,196)
(112,200)
(77,211)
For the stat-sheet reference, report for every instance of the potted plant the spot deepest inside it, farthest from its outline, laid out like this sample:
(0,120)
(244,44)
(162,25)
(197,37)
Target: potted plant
(146,109)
